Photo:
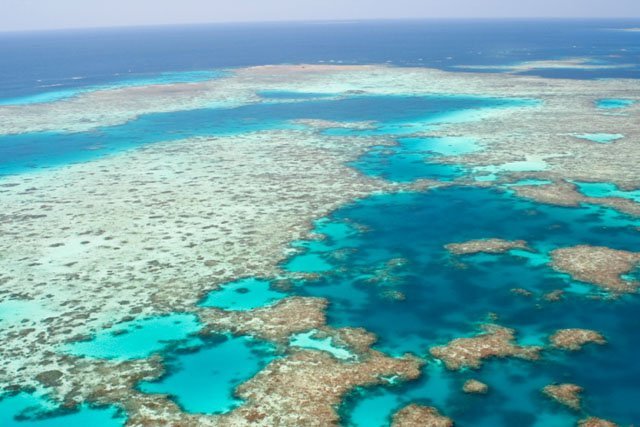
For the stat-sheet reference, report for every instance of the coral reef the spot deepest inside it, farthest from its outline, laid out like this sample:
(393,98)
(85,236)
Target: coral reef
(274,323)
(552,296)
(137,235)
(573,339)
(494,341)
(600,266)
(420,416)
(475,387)
(492,246)
(306,387)
(596,422)
(566,394)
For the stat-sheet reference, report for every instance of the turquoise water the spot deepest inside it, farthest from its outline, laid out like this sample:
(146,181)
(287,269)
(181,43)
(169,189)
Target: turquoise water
(33,151)
(311,340)
(203,380)
(155,79)
(614,103)
(469,109)
(136,339)
(602,138)
(27,410)
(405,162)
(445,146)
(243,294)
(373,407)
(605,189)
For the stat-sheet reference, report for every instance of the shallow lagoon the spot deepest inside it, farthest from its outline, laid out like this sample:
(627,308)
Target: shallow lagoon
(310,340)
(242,295)
(203,379)
(136,339)
(605,189)
(409,160)
(27,410)
(602,138)
(614,103)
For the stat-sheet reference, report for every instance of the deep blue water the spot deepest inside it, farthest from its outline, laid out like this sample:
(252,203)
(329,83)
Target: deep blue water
(32,62)
(444,301)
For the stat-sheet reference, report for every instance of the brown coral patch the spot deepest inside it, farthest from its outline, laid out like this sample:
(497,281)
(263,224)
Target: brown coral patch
(566,394)
(475,387)
(563,193)
(522,292)
(491,246)
(274,323)
(552,296)
(420,416)
(574,338)
(596,422)
(560,193)
(495,341)
(304,388)
(601,266)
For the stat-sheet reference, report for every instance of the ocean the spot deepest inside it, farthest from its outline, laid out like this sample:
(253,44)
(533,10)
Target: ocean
(42,62)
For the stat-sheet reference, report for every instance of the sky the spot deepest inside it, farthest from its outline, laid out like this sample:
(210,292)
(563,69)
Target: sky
(17,15)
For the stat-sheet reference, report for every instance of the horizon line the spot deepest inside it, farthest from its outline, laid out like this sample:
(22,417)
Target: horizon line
(320,21)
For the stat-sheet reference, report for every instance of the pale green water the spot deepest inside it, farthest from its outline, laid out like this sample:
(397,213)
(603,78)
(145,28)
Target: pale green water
(16,311)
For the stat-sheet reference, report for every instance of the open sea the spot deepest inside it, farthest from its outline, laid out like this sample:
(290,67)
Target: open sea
(442,300)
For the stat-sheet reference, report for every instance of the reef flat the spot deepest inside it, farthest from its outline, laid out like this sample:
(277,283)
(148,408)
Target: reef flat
(314,189)
(134,236)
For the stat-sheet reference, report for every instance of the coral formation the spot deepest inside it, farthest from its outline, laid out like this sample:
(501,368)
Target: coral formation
(566,394)
(475,387)
(492,246)
(420,416)
(600,266)
(573,339)
(494,341)
(596,422)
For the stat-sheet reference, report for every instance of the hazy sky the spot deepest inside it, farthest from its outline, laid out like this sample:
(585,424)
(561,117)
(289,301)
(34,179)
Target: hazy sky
(44,14)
